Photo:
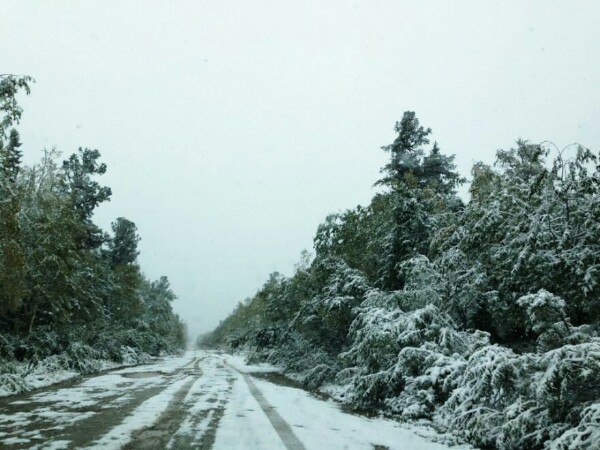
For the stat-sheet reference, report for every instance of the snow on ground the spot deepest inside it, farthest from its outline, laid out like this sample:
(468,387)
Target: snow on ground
(37,380)
(144,415)
(238,363)
(44,374)
(166,365)
(315,421)
(205,397)
(59,408)
(244,425)
(198,400)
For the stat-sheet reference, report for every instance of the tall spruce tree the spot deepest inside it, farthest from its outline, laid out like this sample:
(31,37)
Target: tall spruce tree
(12,260)
(123,245)
(86,193)
(421,186)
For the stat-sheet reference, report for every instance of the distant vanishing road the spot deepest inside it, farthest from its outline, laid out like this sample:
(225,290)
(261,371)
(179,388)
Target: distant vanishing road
(201,400)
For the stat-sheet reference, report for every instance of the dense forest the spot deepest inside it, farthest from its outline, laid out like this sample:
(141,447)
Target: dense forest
(72,296)
(480,317)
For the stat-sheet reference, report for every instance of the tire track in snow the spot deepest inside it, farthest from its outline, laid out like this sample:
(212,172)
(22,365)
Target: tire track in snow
(75,414)
(157,436)
(283,429)
(205,406)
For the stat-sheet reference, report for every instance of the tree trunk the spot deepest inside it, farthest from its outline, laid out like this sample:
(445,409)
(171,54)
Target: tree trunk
(32,320)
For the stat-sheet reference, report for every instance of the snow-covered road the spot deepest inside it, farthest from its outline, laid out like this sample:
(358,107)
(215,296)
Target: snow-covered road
(199,400)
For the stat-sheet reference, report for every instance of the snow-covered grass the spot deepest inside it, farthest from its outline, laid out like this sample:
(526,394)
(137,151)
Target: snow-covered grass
(17,377)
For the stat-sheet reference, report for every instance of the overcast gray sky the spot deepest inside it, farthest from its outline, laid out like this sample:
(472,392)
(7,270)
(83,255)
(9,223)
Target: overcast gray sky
(231,128)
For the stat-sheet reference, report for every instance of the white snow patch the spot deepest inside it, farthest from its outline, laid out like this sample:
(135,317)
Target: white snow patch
(54,445)
(315,421)
(143,416)
(244,425)
(238,362)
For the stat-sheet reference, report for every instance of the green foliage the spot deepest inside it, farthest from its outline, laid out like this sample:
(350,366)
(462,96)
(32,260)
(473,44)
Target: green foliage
(122,247)
(85,193)
(482,317)
(10,110)
(406,151)
(422,193)
(530,225)
(12,260)
(70,294)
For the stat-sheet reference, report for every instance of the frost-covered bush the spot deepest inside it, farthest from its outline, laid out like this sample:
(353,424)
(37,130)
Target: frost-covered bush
(325,318)
(416,364)
(77,351)
(372,353)
(120,345)
(290,351)
(406,361)
(110,345)
(130,355)
(374,332)
(83,358)
(489,383)
(546,317)
(41,344)
(77,357)
(430,377)
(320,374)
(512,401)
(7,346)
(11,383)
(568,379)
(423,285)
(543,310)
(586,434)
(431,363)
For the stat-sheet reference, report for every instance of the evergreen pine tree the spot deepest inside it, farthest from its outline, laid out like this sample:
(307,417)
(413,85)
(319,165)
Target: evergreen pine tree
(12,260)
(421,187)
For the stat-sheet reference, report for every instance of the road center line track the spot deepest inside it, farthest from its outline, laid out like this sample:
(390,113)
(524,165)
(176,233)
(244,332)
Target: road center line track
(283,429)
